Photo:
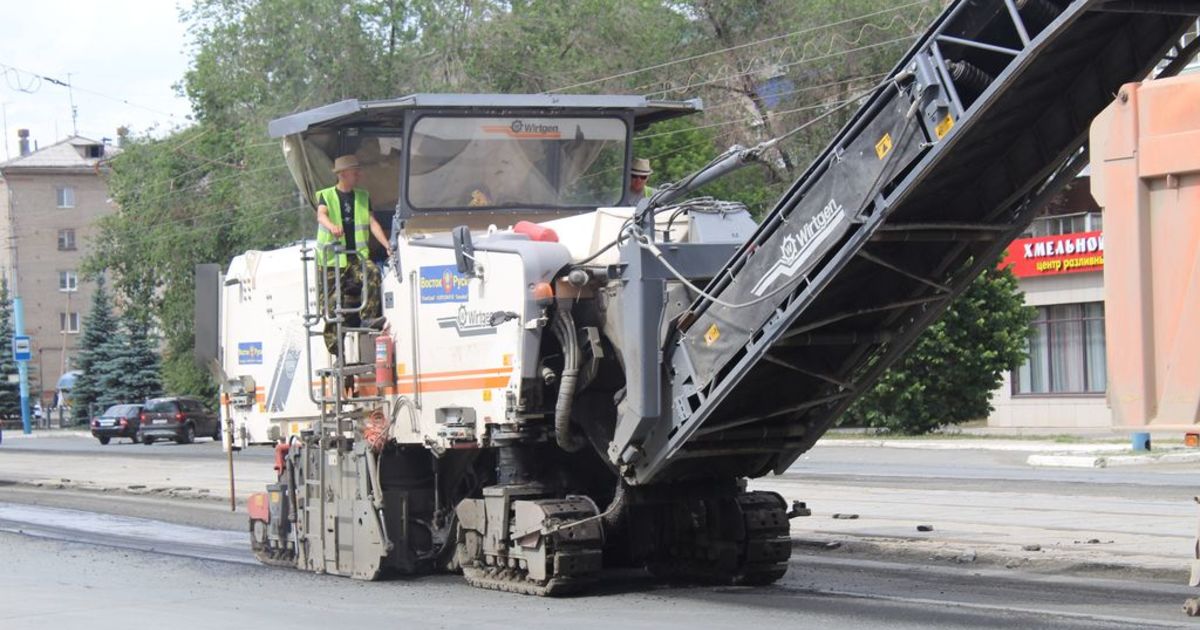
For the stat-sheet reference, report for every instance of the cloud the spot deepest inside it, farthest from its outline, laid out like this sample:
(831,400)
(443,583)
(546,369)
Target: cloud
(129,50)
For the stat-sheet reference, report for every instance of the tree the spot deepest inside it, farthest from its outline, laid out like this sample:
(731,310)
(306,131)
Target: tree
(677,148)
(128,371)
(950,373)
(10,389)
(219,187)
(99,327)
(144,376)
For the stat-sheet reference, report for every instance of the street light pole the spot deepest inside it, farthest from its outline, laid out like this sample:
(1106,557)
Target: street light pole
(22,365)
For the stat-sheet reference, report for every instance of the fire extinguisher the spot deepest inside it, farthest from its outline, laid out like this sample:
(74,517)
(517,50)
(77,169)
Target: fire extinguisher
(384,361)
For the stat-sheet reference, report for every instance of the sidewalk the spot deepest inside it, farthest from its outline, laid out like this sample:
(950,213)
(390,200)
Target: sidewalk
(984,444)
(183,477)
(1094,453)
(18,434)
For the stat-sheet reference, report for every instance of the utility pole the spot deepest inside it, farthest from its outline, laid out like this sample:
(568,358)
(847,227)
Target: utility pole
(22,358)
(4,114)
(62,356)
(74,110)
(21,349)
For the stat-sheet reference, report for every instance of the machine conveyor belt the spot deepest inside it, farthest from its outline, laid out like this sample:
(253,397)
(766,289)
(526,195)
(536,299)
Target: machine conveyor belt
(939,169)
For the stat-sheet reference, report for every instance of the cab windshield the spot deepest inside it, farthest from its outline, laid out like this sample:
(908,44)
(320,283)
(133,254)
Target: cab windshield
(521,162)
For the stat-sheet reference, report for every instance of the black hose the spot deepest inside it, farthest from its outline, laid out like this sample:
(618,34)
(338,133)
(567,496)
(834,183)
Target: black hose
(564,329)
(616,510)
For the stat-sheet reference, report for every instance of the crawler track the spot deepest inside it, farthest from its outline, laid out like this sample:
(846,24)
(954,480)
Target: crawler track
(515,581)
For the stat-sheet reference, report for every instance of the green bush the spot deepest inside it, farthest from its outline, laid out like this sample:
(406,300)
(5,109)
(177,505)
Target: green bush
(950,373)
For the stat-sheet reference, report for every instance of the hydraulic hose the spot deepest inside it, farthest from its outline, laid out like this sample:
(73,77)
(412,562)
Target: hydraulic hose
(564,329)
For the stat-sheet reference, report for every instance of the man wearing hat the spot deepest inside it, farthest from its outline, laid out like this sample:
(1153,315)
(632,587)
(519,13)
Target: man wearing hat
(344,218)
(638,174)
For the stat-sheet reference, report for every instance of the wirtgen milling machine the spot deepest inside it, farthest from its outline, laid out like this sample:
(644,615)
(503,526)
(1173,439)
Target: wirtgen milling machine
(566,382)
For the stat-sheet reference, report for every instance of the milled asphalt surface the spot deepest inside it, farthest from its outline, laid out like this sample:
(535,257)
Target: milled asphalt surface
(114,583)
(1134,521)
(988,509)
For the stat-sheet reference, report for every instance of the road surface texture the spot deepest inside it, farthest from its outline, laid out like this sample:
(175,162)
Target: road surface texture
(992,505)
(978,567)
(984,506)
(132,571)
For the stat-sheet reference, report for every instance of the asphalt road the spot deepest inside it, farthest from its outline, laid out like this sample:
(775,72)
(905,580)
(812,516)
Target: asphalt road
(70,558)
(131,573)
(873,466)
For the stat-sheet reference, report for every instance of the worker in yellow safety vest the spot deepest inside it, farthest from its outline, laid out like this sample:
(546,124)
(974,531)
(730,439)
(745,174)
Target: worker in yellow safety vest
(344,218)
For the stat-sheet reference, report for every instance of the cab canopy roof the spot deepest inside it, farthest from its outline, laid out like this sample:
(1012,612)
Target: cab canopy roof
(388,113)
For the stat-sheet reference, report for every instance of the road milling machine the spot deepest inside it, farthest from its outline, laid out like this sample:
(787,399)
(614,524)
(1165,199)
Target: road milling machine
(568,380)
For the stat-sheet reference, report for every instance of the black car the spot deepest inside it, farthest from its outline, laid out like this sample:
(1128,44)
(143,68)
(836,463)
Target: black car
(177,418)
(118,421)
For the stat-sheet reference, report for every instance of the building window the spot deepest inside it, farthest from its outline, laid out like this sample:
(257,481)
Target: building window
(68,281)
(66,240)
(1065,224)
(68,322)
(65,196)
(1066,352)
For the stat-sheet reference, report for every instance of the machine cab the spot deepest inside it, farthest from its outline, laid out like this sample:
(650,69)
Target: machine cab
(442,160)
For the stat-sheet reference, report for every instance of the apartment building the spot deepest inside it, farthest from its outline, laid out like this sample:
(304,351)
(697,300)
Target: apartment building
(50,201)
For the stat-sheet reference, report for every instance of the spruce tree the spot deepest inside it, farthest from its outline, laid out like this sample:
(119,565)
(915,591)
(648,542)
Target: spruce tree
(10,389)
(98,328)
(145,376)
(128,370)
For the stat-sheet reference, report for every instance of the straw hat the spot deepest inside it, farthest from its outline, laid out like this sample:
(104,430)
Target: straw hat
(641,166)
(345,163)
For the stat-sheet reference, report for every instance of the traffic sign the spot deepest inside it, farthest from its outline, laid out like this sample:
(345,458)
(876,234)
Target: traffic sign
(22,348)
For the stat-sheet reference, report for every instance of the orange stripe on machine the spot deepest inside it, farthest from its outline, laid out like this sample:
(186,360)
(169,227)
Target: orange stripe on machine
(457,384)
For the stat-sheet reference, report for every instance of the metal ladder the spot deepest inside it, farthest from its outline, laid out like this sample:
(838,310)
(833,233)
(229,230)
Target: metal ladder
(340,414)
(338,411)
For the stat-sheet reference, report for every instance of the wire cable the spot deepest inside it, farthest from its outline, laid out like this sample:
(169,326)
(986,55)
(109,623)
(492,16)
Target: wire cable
(8,68)
(667,64)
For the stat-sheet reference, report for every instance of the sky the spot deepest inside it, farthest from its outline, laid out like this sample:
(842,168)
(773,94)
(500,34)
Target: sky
(123,56)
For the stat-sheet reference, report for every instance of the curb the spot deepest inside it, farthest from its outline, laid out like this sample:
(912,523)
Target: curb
(982,445)
(16,434)
(1104,461)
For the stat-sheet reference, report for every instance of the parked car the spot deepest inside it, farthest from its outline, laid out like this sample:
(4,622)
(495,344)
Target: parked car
(178,418)
(120,421)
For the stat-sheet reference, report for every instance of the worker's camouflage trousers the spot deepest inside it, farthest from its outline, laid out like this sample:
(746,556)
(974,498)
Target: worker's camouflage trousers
(354,286)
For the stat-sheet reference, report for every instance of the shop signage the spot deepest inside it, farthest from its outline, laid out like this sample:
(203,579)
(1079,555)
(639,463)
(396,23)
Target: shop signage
(1053,255)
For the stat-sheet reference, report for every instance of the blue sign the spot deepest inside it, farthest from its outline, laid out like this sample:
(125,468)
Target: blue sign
(22,348)
(443,284)
(776,90)
(250,353)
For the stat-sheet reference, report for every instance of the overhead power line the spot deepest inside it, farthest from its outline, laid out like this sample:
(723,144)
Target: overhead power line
(758,42)
(11,71)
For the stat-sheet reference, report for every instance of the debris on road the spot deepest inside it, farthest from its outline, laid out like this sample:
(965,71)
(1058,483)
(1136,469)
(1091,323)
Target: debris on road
(924,528)
(845,517)
(828,545)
